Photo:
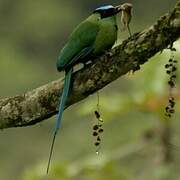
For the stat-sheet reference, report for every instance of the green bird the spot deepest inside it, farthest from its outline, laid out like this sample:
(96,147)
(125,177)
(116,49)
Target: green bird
(91,38)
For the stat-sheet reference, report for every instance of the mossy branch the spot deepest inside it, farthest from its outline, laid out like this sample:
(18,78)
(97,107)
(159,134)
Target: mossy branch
(42,103)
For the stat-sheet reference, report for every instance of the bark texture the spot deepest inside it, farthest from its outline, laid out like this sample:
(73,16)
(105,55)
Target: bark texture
(41,103)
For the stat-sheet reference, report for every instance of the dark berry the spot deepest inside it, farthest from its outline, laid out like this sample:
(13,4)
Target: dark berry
(168,72)
(171,101)
(172,104)
(97,114)
(95,133)
(101,130)
(171,83)
(173,76)
(174,68)
(98,138)
(167,109)
(96,143)
(95,127)
(171,111)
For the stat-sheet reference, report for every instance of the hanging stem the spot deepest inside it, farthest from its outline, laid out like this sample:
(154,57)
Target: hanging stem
(97,128)
(169,110)
(98,104)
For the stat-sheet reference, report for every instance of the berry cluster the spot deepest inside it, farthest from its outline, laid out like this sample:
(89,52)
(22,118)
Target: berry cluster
(98,129)
(171,69)
(170,107)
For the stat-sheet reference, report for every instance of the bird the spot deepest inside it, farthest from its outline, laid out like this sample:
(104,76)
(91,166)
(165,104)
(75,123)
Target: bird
(91,38)
(126,16)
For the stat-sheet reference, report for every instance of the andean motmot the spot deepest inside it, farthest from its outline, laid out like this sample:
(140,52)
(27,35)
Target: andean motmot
(91,38)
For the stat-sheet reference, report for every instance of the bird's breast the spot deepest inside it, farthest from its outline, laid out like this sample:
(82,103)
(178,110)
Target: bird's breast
(106,37)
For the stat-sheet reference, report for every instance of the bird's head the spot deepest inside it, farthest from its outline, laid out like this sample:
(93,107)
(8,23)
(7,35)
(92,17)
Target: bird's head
(107,10)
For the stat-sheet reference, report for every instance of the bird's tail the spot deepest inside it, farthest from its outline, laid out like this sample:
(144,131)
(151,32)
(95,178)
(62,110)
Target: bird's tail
(63,99)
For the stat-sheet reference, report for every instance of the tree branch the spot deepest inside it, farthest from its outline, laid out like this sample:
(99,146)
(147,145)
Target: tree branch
(42,103)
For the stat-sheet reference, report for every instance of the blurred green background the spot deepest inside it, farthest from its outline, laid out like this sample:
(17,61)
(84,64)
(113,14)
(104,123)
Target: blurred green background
(31,35)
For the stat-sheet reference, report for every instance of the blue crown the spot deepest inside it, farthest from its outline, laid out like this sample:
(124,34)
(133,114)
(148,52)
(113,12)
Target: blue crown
(104,7)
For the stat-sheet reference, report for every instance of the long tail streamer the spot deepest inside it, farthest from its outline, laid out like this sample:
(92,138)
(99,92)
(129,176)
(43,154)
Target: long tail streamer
(61,109)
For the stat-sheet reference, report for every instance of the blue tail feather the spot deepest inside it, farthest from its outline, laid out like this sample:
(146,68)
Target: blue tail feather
(63,100)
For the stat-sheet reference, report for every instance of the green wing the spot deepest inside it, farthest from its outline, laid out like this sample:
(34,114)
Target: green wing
(82,38)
